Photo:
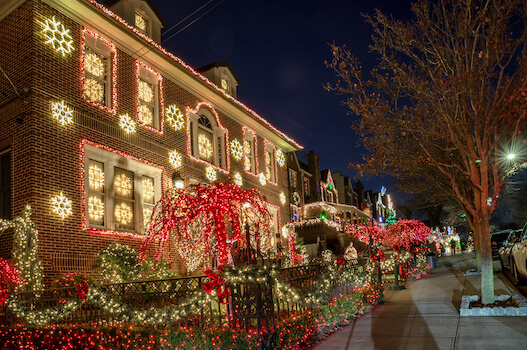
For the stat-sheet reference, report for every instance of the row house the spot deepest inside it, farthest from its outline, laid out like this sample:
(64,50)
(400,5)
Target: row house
(98,120)
(321,202)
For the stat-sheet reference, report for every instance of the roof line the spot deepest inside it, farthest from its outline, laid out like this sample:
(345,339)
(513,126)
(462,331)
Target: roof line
(193,71)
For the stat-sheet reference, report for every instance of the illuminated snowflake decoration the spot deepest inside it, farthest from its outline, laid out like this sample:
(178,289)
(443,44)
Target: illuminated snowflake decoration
(61,205)
(280,157)
(94,64)
(147,214)
(123,185)
(236,149)
(127,123)
(175,159)
(62,113)
(140,22)
(175,117)
(124,214)
(58,36)
(238,180)
(296,198)
(145,115)
(211,174)
(93,90)
(145,91)
(205,146)
(263,179)
(282,197)
(95,208)
(148,189)
(96,178)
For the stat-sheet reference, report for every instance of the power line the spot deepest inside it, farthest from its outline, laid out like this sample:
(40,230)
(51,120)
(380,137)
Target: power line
(188,25)
(184,19)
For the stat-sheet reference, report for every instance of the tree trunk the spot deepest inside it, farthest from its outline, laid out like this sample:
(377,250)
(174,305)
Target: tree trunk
(487,272)
(477,245)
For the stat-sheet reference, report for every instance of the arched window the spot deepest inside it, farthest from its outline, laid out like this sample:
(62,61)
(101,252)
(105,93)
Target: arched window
(207,138)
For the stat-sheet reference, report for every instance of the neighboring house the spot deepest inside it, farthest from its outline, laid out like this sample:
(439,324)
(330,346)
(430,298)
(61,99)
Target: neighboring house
(97,120)
(319,215)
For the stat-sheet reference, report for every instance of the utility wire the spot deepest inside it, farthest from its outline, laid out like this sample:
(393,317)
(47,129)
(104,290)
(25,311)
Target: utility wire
(10,82)
(179,31)
(188,25)
(184,19)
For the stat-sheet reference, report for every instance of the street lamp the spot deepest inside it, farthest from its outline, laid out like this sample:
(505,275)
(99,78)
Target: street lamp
(511,156)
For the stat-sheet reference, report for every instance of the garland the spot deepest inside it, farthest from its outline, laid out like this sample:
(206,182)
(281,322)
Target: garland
(340,275)
(25,246)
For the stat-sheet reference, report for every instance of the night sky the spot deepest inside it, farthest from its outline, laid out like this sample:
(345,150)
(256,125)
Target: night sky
(278,49)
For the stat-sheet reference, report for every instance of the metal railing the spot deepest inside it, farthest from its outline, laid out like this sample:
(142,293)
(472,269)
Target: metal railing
(157,294)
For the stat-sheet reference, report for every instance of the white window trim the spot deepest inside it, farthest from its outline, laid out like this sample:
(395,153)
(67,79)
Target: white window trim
(250,135)
(270,148)
(148,21)
(110,161)
(154,79)
(217,134)
(95,43)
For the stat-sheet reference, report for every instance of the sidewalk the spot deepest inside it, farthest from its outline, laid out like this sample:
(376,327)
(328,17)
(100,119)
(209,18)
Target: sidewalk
(426,316)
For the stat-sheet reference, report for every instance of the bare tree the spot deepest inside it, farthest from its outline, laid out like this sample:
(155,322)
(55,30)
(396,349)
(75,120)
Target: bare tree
(445,101)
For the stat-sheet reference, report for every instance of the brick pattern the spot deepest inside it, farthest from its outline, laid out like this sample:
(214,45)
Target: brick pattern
(45,155)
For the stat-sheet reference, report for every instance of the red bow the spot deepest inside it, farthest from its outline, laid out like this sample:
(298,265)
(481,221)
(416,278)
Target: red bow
(217,282)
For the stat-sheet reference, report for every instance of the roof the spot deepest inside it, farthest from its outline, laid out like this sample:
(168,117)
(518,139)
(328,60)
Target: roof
(304,166)
(219,64)
(192,71)
(324,175)
(109,3)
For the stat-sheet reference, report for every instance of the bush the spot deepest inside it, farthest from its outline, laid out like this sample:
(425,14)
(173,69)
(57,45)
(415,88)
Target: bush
(119,263)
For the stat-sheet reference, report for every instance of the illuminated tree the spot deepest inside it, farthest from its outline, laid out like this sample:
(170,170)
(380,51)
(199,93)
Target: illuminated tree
(209,220)
(445,101)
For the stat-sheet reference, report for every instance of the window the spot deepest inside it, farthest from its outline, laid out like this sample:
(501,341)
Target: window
(207,138)
(249,151)
(141,23)
(270,167)
(5,184)
(120,191)
(306,185)
(149,100)
(274,223)
(98,69)
(225,84)
(292,178)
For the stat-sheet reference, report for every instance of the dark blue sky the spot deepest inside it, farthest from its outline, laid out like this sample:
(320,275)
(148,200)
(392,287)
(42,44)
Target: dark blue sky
(278,49)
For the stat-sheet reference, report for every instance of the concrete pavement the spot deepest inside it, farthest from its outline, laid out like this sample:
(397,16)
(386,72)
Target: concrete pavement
(426,316)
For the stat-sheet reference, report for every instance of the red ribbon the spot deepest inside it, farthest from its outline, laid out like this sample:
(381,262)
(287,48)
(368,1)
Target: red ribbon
(217,282)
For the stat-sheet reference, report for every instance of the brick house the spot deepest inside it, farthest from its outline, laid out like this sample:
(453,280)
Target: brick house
(97,120)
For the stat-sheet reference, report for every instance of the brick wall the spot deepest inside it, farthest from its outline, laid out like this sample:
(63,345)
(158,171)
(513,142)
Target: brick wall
(45,154)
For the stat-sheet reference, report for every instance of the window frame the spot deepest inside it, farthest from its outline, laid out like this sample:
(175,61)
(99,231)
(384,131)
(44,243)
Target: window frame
(292,174)
(220,137)
(270,149)
(249,135)
(150,76)
(112,159)
(148,28)
(102,47)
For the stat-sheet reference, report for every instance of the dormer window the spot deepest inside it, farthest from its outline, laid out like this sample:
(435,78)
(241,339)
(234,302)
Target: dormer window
(141,23)
(225,84)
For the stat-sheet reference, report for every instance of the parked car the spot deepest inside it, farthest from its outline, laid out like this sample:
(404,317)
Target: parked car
(506,248)
(496,240)
(519,256)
